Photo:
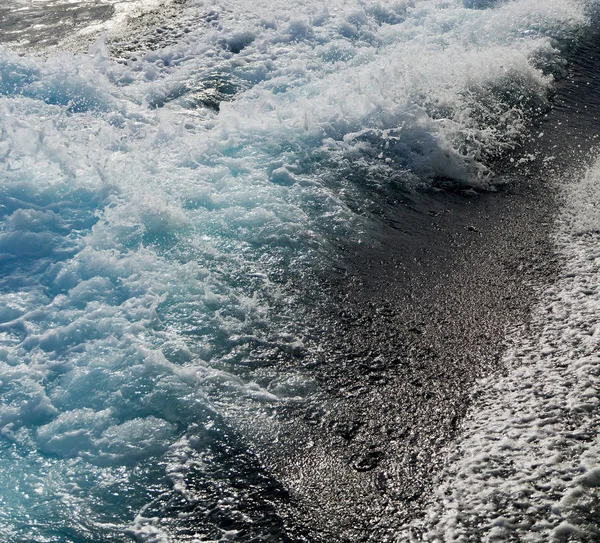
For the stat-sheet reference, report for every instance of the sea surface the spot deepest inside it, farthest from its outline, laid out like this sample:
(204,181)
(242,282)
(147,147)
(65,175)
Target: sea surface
(320,271)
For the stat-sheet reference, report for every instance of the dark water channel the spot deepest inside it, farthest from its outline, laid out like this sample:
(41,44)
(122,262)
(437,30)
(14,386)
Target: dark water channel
(420,313)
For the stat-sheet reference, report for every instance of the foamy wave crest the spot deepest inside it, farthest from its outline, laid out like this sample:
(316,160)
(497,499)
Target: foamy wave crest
(408,92)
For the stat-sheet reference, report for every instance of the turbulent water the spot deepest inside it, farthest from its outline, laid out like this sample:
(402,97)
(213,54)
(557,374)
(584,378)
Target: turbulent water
(527,467)
(171,198)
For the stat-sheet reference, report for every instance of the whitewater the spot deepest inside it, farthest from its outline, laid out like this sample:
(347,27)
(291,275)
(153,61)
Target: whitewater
(185,190)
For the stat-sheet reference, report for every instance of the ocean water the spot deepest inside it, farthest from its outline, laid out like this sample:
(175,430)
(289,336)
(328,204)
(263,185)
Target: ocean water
(527,466)
(176,181)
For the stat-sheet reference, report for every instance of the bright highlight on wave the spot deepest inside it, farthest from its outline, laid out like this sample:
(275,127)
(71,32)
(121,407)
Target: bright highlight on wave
(155,202)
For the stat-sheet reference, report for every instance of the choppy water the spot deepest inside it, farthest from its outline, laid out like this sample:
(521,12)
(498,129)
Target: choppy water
(166,210)
(528,465)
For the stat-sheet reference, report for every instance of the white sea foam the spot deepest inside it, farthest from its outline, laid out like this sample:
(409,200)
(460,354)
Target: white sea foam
(527,466)
(143,234)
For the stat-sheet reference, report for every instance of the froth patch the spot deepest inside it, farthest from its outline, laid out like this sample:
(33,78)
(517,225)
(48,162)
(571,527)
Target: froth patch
(527,464)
